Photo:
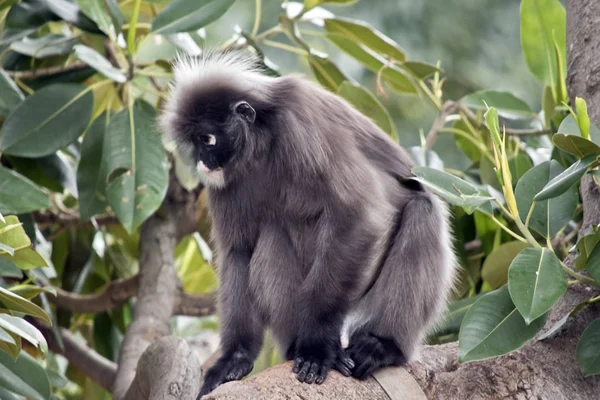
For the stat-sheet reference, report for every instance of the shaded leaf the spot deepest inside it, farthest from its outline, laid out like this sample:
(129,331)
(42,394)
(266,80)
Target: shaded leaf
(454,190)
(24,329)
(493,326)
(427,158)
(97,11)
(48,120)
(97,61)
(593,264)
(569,126)
(419,70)
(455,314)
(70,12)
(17,303)
(10,95)
(45,46)
(90,176)
(27,376)
(189,15)
(29,14)
(566,179)
(536,281)
(54,172)
(360,32)
(495,267)
(365,102)
(18,195)
(326,72)
(576,145)
(8,269)
(548,216)
(588,350)
(136,165)
(507,104)
(585,245)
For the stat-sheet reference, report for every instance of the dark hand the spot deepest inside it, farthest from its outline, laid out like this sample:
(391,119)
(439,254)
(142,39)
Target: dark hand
(230,367)
(313,360)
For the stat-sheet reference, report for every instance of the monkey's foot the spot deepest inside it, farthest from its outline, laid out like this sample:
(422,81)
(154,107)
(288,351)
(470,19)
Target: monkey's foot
(312,363)
(370,352)
(231,367)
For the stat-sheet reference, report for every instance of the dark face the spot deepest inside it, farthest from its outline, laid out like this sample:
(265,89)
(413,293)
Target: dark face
(212,131)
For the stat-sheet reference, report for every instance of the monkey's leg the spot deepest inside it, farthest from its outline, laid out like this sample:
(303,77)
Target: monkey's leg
(241,326)
(343,242)
(410,291)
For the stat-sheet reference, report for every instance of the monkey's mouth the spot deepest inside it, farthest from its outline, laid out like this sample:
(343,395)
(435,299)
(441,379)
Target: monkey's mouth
(202,168)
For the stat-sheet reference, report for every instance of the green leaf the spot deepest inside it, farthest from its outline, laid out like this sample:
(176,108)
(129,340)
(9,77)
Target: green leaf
(26,376)
(27,259)
(455,314)
(5,337)
(189,15)
(97,11)
(24,329)
(585,245)
(90,176)
(17,303)
(507,104)
(582,117)
(54,172)
(326,72)
(593,264)
(308,4)
(576,145)
(28,15)
(48,120)
(95,60)
(393,75)
(360,32)
(365,102)
(536,281)
(19,195)
(588,350)
(136,165)
(45,46)
(71,13)
(7,3)
(548,216)
(566,179)
(425,158)
(454,190)
(496,266)
(493,327)
(541,22)
(10,95)
(30,291)
(419,70)
(570,126)
(8,269)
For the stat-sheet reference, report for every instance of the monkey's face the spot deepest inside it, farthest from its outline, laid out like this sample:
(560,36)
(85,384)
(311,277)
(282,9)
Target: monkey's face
(212,135)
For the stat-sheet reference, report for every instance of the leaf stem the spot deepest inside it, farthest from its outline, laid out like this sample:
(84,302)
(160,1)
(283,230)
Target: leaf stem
(132,26)
(257,16)
(581,278)
(285,47)
(507,230)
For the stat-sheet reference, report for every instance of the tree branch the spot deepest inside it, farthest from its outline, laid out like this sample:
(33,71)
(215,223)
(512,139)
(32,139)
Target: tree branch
(40,72)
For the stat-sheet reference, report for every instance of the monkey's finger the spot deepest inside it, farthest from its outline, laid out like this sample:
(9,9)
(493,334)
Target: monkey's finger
(297,364)
(312,374)
(342,368)
(349,362)
(364,370)
(302,374)
(322,376)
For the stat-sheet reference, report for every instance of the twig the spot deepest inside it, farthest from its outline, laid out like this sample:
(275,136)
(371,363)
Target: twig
(49,71)
(448,108)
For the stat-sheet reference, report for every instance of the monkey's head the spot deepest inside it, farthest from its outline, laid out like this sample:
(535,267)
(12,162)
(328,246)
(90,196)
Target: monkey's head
(211,116)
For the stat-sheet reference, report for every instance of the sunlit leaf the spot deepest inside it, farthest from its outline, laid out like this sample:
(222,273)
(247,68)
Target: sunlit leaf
(507,104)
(97,11)
(70,12)
(588,350)
(95,60)
(495,267)
(566,179)
(189,15)
(10,95)
(46,121)
(536,281)
(136,165)
(45,46)
(17,303)
(582,117)
(369,105)
(24,329)
(326,72)
(493,326)
(548,216)
(27,377)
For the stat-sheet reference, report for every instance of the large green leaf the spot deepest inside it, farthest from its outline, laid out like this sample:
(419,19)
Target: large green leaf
(588,350)
(361,32)
(48,120)
(566,179)
(454,190)
(19,195)
(593,264)
(455,314)
(419,70)
(45,46)
(369,105)
(576,145)
(54,172)
(97,61)
(30,14)
(548,216)
(536,281)
(23,329)
(17,303)
(189,15)
(24,376)
(90,176)
(495,267)
(585,246)
(10,95)
(97,11)
(493,326)
(507,104)
(136,165)
(8,269)
(13,235)
(543,21)
(569,126)
(70,12)
(393,75)
(326,72)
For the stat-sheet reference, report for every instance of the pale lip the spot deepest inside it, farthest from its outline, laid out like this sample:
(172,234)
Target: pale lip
(205,170)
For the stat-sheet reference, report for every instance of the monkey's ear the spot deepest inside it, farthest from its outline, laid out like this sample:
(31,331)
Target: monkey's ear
(246,111)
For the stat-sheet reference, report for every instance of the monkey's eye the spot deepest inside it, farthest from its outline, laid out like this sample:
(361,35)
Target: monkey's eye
(208,140)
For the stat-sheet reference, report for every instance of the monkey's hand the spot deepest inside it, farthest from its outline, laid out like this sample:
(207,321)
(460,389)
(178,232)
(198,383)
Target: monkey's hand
(313,359)
(230,367)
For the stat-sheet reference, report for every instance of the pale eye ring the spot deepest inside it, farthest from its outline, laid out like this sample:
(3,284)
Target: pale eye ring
(209,140)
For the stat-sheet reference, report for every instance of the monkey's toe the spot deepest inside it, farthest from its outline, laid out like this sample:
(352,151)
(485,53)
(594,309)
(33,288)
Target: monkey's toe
(370,352)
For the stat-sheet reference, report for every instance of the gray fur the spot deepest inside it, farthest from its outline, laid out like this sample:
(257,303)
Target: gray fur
(305,223)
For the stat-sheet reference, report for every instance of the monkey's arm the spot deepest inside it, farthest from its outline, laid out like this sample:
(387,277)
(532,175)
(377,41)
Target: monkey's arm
(241,327)
(324,296)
